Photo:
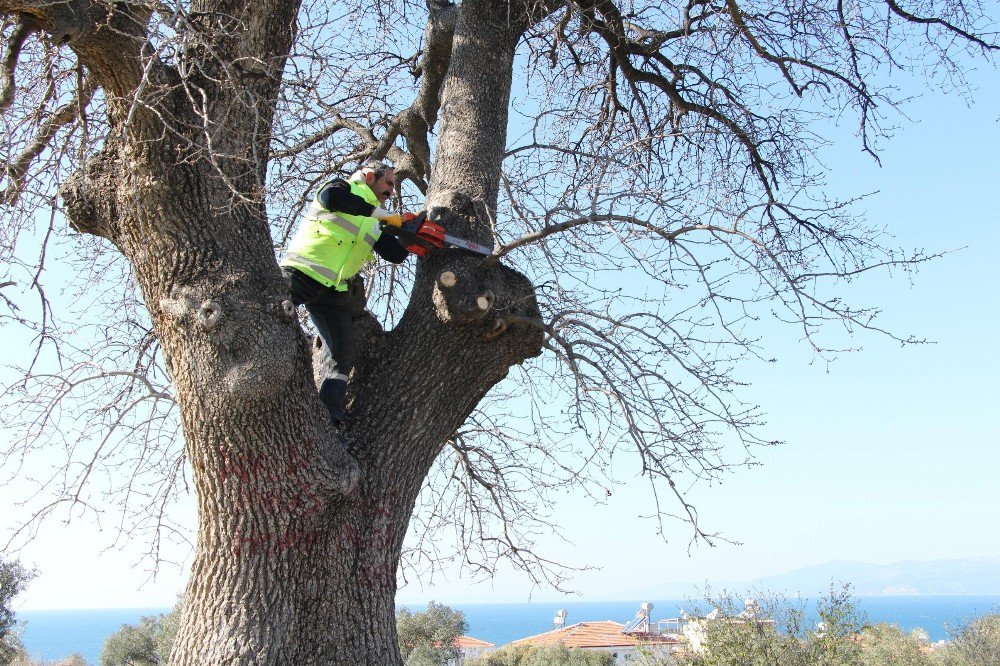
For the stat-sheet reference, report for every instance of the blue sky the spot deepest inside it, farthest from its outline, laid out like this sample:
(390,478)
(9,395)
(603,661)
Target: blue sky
(892,452)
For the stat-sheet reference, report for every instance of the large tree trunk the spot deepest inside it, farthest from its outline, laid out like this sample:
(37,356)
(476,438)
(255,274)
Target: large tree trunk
(299,539)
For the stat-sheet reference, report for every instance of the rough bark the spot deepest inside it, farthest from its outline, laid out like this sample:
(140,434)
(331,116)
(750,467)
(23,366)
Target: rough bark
(474,109)
(299,539)
(300,534)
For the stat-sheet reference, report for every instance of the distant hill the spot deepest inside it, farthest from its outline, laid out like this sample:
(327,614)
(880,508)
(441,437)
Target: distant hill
(969,576)
(937,577)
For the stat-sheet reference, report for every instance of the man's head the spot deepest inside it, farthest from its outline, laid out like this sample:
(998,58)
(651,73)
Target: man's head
(379,176)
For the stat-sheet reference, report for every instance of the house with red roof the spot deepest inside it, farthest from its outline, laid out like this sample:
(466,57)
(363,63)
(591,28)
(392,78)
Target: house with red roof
(469,648)
(626,646)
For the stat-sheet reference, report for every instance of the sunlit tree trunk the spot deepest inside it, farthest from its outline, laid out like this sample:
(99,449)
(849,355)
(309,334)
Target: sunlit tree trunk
(661,155)
(299,539)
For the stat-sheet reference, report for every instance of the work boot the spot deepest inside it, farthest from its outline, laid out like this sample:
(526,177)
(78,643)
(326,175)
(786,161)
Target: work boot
(333,394)
(338,424)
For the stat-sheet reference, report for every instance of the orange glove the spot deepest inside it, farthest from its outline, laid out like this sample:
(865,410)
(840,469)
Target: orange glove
(393,220)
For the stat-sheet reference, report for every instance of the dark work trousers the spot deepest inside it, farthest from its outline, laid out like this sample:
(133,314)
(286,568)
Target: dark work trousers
(332,313)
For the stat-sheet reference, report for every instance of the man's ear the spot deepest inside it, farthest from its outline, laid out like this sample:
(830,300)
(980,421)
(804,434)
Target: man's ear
(369,178)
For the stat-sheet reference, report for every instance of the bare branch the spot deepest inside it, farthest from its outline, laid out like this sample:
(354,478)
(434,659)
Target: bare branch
(17,171)
(22,30)
(950,27)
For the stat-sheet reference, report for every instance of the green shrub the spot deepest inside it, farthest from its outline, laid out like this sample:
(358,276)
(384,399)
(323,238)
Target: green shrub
(549,655)
(428,638)
(14,577)
(974,644)
(146,644)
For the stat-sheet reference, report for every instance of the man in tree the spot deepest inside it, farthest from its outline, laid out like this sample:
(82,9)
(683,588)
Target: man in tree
(340,233)
(675,142)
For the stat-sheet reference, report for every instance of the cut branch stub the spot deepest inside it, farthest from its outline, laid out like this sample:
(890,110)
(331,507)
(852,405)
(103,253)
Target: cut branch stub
(498,329)
(461,300)
(485,301)
(467,293)
(88,194)
(209,315)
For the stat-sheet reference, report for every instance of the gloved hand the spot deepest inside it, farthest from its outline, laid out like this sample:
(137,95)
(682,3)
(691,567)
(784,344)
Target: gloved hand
(391,219)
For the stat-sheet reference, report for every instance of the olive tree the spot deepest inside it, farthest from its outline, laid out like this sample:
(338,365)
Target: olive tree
(975,642)
(646,173)
(430,634)
(782,631)
(14,577)
(145,644)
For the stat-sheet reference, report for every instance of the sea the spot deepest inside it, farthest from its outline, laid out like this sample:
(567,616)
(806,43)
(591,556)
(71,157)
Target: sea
(50,635)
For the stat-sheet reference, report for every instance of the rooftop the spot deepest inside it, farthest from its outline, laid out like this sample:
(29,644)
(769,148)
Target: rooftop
(594,634)
(470,642)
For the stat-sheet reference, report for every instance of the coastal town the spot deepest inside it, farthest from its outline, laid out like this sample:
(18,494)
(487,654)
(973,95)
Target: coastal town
(631,643)
(693,639)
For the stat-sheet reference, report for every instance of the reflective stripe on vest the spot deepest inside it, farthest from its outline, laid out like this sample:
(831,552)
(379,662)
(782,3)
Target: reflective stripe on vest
(300,262)
(317,212)
(331,247)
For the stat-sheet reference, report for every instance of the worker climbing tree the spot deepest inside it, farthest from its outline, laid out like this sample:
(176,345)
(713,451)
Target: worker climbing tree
(614,194)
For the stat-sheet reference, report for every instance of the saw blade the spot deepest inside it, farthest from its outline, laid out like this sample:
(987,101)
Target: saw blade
(468,245)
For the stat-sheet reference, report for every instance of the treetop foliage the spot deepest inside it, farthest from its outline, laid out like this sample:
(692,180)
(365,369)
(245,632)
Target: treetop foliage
(975,642)
(783,633)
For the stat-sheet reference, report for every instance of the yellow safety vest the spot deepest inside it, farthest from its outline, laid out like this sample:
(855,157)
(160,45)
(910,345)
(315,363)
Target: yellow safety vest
(331,247)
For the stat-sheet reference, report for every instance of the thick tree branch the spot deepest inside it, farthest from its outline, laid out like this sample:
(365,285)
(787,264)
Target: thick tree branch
(434,61)
(16,172)
(22,29)
(108,37)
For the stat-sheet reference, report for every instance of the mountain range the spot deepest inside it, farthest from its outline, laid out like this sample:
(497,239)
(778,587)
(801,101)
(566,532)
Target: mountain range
(979,576)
